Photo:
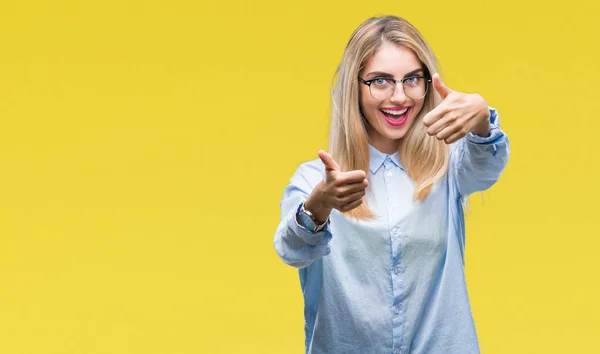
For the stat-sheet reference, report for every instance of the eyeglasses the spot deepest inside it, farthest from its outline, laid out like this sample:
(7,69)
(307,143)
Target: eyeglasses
(382,88)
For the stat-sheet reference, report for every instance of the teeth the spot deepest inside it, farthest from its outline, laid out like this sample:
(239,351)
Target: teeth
(395,113)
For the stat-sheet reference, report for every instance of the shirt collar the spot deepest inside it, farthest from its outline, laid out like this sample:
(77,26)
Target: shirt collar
(377,158)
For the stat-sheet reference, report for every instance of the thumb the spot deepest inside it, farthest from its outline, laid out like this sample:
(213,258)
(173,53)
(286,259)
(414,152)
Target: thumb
(328,161)
(439,86)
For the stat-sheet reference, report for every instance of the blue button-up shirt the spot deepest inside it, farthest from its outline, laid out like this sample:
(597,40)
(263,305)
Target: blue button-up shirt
(396,283)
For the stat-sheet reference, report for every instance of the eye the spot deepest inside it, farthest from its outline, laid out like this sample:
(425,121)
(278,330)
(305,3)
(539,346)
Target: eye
(412,81)
(380,82)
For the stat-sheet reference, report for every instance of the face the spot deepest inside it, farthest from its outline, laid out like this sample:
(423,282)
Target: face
(390,118)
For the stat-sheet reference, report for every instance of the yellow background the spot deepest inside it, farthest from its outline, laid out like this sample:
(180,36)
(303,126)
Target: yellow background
(145,145)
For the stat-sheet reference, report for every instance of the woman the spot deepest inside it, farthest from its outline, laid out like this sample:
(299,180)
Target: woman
(376,228)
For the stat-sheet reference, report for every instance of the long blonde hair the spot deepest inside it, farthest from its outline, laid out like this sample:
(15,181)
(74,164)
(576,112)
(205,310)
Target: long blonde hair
(424,157)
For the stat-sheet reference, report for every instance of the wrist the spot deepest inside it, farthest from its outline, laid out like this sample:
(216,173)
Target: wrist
(317,206)
(483,128)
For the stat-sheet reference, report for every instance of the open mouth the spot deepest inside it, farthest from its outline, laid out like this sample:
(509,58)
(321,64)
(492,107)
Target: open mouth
(396,117)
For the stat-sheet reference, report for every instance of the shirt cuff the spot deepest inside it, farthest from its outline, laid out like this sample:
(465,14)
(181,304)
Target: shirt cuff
(309,235)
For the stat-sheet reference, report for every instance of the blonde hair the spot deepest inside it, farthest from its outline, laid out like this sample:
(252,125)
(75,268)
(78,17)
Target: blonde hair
(424,157)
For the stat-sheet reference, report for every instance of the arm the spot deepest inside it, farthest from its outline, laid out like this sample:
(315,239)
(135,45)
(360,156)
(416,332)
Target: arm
(296,245)
(478,161)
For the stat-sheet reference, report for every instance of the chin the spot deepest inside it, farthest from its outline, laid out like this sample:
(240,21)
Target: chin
(396,133)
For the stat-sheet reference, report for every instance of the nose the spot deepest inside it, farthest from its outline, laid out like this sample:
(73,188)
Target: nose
(398,95)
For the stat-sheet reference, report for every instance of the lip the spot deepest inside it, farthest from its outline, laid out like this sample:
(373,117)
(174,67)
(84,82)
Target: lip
(394,123)
(395,108)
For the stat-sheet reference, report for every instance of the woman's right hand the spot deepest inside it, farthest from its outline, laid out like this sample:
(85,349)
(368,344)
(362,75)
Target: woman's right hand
(340,190)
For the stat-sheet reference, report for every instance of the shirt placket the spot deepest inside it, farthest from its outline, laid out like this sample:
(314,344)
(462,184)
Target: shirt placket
(392,191)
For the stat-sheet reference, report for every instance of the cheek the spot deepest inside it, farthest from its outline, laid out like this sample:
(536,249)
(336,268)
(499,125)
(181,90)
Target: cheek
(364,99)
(418,108)
(367,105)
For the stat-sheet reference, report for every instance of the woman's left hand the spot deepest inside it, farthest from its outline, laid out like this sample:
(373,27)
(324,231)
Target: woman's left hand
(457,115)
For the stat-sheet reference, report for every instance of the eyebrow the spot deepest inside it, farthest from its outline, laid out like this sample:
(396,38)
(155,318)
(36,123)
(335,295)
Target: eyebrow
(383,74)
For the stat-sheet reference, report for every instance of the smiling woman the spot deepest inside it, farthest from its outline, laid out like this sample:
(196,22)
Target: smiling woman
(376,228)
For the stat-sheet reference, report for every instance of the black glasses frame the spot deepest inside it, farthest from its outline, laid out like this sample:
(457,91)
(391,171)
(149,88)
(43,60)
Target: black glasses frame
(395,81)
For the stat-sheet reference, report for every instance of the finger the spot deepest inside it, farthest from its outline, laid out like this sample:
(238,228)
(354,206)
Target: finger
(352,187)
(434,115)
(456,136)
(352,197)
(350,177)
(439,86)
(448,131)
(445,121)
(351,205)
(328,161)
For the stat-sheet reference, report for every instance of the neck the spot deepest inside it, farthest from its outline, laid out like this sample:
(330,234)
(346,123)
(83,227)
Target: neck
(383,144)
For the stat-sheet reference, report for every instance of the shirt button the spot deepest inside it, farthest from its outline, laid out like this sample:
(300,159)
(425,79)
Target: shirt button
(397,270)
(388,174)
(397,310)
(395,231)
(397,351)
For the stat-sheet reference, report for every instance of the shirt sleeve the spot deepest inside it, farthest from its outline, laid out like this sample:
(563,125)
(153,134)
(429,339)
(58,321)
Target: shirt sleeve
(296,245)
(478,162)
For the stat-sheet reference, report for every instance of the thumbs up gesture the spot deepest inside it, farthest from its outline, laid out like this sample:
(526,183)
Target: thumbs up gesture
(457,115)
(339,190)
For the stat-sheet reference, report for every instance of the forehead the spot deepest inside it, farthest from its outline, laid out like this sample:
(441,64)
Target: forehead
(393,59)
